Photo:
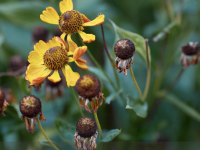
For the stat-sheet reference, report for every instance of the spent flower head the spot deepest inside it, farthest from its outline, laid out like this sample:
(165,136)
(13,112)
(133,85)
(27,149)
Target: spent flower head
(124,51)
(30,106)
(40,33)
(71,21)
(51,57)
(3,102)
(190,50)
(86,130)
(89,88)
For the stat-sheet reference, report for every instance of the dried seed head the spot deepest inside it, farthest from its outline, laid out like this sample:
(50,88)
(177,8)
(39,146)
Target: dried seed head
(16,62)
(40,33)
(57,32)
(192,48)
(2,97)
(55,58)
(30,106)
(70,22)
(86,127)
(88,86)
(124,49)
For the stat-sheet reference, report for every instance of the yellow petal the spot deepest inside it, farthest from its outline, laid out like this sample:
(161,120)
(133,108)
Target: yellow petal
(35,58)
(81,65)
(79,52)
(70,53)
(71,59)
(72,44)
(63,36)
(85,19)
(97,21)
(66,5)
(55,77)
(40,77)
(50,16)
(34,69)
(71,77)
(81,60)
(53,43)
(41,47)
(87,38)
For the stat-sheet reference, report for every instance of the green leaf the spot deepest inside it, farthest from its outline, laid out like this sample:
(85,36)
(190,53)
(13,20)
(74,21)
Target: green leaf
(137,39)
(46,143)
(66,130)
(98,73)
(23,85)
(111,135)
(113,96)
(137,105)
(184,107)
(13,109)
(24,13)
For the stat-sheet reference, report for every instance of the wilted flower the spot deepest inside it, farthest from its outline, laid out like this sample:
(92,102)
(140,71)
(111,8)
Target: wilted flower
(124,50)
(30,106)
(86,130)
(50,57)
(17,65)
(71,21)
(3,102)
(40,33)
(89,88)
(190,50)
(57,32)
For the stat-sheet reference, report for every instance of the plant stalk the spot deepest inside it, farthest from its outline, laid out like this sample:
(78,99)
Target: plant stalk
(98,125)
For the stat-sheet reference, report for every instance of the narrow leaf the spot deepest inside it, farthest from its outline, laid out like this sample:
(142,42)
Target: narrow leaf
(111,135)
(113,96)
(46,143)
(98,73)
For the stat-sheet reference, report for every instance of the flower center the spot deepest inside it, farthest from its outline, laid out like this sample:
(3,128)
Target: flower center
(70,22)
(55,58)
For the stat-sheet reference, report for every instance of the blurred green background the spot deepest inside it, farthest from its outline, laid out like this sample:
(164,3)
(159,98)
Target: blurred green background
(169,120)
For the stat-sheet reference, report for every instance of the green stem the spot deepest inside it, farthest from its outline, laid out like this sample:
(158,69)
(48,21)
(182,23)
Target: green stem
(98,125)
(77,103)
(97,64)
(111,61)
(170,9)
(40,126)
(133,77)
(148,73)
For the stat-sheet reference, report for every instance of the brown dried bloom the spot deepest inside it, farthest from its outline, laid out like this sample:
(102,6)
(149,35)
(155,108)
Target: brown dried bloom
(86,130)
(3,102)
(30,106)
(124,50)
(89,88)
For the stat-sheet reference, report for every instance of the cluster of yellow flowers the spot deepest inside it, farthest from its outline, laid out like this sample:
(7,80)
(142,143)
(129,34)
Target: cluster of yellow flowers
(47,58)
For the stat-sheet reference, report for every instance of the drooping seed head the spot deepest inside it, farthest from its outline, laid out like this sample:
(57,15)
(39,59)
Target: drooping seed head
(70,22)
(124,49)
(30,106)
(55,58)
(88,86)
(40,33)
(192,48)
(16,62)
(57,32)
(2,97)
(86,127)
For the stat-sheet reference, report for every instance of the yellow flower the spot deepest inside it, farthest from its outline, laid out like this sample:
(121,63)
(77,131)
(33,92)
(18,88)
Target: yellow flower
(52,56)
(71,21)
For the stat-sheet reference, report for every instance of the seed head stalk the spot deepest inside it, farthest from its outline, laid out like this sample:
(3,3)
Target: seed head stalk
(98,125)
(40,126)
(74,95)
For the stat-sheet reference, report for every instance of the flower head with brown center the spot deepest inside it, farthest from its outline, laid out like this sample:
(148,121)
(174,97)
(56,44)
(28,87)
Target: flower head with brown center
(71,21)
(86,129)
(30,106)
(190,50)
(89,88)
(52,56)
(3,102)
(124,50)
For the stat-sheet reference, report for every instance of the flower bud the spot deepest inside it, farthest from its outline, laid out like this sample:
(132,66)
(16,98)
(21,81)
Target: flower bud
(40,33)
(16,62)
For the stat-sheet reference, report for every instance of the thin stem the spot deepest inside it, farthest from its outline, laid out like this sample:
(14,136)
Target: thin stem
(98,125)
(111,61)
(170,9)
(179,15)
(77,103)
(148,73)
(170,87)
(97,64)
(133,77)
(16,73)
(40,126)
